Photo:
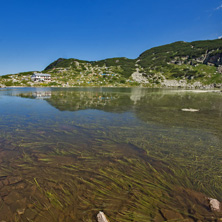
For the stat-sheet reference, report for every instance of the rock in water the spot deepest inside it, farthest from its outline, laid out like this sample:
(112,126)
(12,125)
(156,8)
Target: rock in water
(101,217)
(190,110)
(214,204)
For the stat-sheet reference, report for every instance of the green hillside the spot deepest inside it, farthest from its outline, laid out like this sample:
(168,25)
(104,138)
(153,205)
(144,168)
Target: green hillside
(179,50)
(121,65)
(179,64)
(127,65)
(200,60)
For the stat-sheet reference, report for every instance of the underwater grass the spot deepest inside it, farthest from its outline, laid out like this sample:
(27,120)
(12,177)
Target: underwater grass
(76,164)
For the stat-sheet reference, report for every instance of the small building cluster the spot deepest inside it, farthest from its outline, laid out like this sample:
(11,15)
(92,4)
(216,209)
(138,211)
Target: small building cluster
(40,77)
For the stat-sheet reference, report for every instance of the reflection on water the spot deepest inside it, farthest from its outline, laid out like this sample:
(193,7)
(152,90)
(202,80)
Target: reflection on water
(159,106)
(129,152)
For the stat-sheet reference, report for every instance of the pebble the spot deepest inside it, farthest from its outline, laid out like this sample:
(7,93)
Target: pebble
(214,204)
(21,211)
(101,217)
(190,110)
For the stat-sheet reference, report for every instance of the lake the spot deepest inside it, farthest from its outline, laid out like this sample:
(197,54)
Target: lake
(68,153)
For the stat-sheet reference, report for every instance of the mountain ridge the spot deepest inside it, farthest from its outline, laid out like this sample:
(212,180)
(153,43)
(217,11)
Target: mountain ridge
(182,64)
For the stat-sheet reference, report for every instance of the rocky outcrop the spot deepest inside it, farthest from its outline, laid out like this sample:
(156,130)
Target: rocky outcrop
(184,84)
(209,58)
(217,85)
(213,59)
(180,83)
(138,77)
(219,69)
(174,83)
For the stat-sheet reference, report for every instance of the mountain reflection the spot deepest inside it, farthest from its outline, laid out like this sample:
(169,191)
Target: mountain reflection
(149,105)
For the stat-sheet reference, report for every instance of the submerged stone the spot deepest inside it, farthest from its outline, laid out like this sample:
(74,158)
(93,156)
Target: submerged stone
(21,211)
(101,217)
(13,180)
(171,215)
(214,204)
(190,110)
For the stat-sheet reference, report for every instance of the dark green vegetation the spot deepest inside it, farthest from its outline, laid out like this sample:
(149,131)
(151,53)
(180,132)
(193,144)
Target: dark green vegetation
(178,50)
(127,65)
(197,64)
(26,73)
(129,152)
(197,61)
(184,59)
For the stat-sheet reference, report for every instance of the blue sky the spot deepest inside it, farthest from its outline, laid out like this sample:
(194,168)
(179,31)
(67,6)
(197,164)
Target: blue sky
(34,33)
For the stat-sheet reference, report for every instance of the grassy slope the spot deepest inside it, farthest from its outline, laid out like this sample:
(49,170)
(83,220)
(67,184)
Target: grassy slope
(163,54)
(126,66)
(159,60)
(179,60)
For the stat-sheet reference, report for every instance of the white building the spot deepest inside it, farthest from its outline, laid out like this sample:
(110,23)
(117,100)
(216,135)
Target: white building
(40,77)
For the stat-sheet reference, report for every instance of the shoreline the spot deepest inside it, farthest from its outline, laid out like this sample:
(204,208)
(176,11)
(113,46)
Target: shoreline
(180,89)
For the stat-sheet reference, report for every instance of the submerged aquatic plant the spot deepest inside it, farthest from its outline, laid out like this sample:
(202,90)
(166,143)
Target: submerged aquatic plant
(73,164)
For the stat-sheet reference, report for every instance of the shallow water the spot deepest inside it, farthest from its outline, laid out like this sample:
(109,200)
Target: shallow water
(65,154)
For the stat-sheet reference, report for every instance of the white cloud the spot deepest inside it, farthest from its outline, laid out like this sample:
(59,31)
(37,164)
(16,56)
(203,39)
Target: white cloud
(220,37)
(219,7)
